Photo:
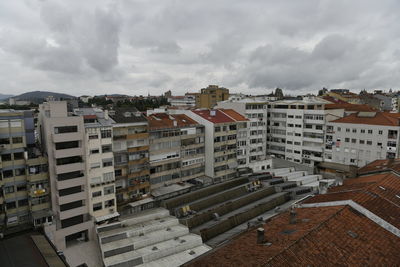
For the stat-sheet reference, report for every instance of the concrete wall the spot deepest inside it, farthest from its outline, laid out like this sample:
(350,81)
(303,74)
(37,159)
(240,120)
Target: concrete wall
(281,163)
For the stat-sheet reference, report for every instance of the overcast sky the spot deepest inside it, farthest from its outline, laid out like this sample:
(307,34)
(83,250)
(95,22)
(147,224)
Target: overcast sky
(148,46)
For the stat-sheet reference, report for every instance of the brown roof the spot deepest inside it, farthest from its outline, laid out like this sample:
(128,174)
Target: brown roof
(381,166)
(164,120)
(376,118)
(350,107)
(220,116)
(379,193)
(322,236)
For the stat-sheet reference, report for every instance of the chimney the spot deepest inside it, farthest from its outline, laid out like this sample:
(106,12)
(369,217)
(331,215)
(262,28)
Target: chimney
(260,235)
(292,217)
(212,113)
(175,123)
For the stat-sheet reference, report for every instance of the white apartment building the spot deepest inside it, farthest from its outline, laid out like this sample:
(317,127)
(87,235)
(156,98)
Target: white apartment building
(296,129)
(222,128)
(252,143)
(99,163)
(62,137)
(187,100)
(362,137)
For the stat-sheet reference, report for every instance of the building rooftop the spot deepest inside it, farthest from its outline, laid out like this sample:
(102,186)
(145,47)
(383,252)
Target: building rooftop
(381,166)
(127,115)
(321,236)
(350,107)
(164,120)
(371,118)
(220,115)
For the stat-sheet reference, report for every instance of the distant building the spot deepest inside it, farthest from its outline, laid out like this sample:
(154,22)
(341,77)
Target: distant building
(16,102)
(208,97)
(24,183)
(85,98)
(188,100)
(176,149)
(363,137)
(131,155)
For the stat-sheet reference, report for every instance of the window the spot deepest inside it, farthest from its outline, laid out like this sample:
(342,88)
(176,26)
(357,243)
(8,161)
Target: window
(65,129)
(8,189)
(105,133)
(118,173)
(95,151)
(353,140)
(354,130)
(109,203)
(108,190)
(23,202)
(379,144)
(97,206)
(17,140)
(8,174)
(19,155)
(95,165)
(21,187)
(347,139)
(106,148)
(369,142)
(20,171)
(362,142)
(339,129)
(107,162)
(380,132)
(362,130)
(6,157)
(370,131)
(11,205)
(4,141)
(93,136)
(96,194)
(347,130)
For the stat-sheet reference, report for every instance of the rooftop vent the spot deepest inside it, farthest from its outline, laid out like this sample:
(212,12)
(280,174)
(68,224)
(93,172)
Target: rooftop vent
(213,113)
(352,234)
(154,248)
(260,235)
(292,217)
(192,252)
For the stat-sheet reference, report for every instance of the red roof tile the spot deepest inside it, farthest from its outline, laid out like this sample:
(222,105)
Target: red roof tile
(350,107)
(164,120)
(220,116)
(381,166)
(379,118)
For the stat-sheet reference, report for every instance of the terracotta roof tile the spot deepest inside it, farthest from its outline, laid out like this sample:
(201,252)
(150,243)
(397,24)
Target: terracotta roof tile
(164,120)
(220,116)
(350,107)
(379,118)
(381,166)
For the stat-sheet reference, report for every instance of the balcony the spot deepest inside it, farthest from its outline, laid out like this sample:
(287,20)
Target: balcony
(42,206)
(70,183)
(313,139)
(139,148)
(139,173)
(78,166)
(72,212)
(38,192)
(69,152)
(138,161)
(66,137)
(71,197)
(138,136)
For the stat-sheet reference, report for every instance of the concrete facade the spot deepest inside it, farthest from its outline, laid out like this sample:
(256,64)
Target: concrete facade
(63,140)
(210,96)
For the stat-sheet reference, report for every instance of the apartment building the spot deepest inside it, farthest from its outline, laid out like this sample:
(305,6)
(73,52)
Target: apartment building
(224,129)
(208,97)
(131,155)
(99,163)
(362,137)
(188,100)
(296,129)
(24,188)
(176,149)
(252,150)
(62,137)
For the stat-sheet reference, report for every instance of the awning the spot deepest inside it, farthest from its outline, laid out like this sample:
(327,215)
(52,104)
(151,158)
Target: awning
(106,217)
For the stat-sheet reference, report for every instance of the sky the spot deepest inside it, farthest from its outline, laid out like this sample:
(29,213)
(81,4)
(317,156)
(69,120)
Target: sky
(140,47)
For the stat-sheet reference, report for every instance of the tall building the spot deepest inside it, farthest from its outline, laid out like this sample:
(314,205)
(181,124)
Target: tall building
(208,97)
(296,129)
(252,151)
(24,185)
(224,129)
(62,138)
(99,163)
(131,155)
(363,137)
(176,149)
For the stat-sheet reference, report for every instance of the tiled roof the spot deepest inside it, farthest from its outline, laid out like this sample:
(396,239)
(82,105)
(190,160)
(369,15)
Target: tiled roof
(379,193)
(322,236)
(164,120)
(381,166)
(127,115)
(350,107)
(220,116)
(376,118)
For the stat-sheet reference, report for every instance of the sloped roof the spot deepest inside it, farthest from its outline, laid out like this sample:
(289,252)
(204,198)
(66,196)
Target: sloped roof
(322,236)
(376,118)
(221,115)
(380,166)
(164,120)
(350,107)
